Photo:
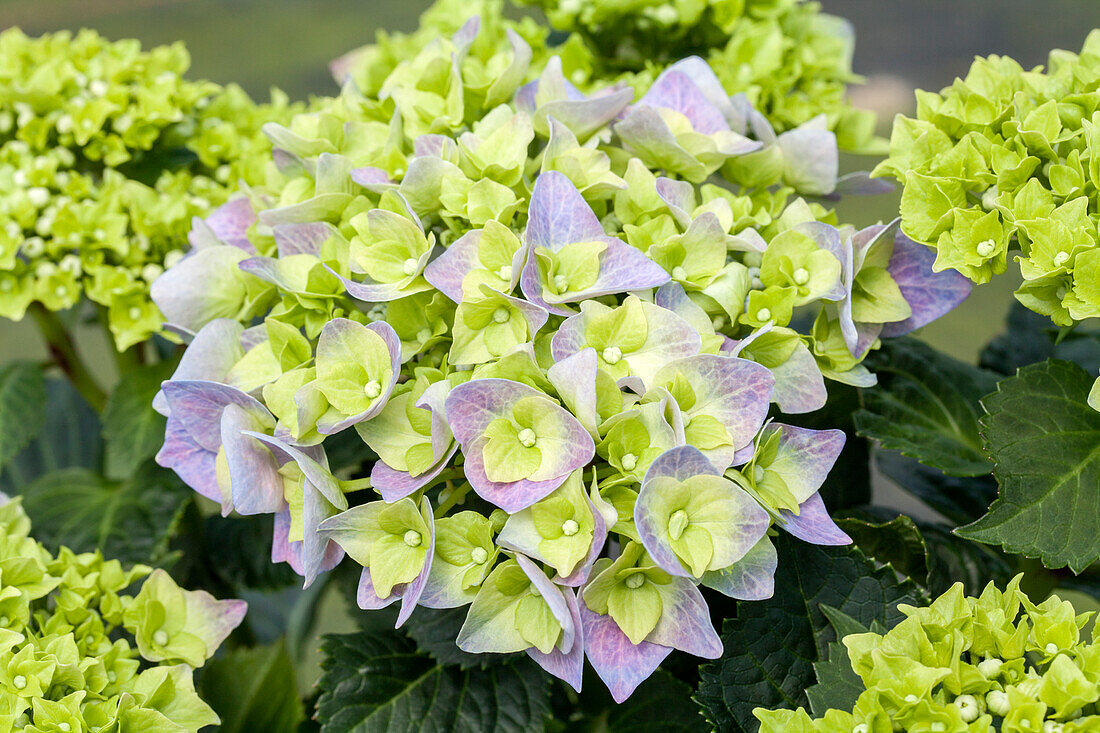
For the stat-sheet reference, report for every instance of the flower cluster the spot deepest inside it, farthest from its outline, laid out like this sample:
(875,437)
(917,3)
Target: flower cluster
(557,322)
(106,154)
(1007,154)
(996,662)
(78,653)
(791,61)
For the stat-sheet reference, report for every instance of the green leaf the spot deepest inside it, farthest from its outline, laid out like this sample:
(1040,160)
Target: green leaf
(959,499)
(379,682)
(897,542)
(770,646)
(227,555)
(926,405)
(435,631)
(1045,444)
(661,704)
(838,686)
(253,690)
(130,520)
(22,394)
(69,438)
(132,429)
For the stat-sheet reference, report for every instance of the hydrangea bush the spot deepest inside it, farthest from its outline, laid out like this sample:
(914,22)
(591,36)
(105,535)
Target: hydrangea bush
(563,327)
(106,154)
(995,662)
(1008,159)
(87,644)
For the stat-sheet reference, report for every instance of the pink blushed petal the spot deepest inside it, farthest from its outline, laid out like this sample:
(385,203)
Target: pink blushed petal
(929,294)
(813,524)
(566,666)
(621,665)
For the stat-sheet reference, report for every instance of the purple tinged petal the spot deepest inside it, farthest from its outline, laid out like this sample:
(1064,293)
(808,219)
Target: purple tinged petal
(254,479)
(430,145)
(380,292)
(370,177)
(929,294)
(621,665)
(194,464)
(471,406)
(365,596)
(811,158)
(559,215)
(396,485)
(228,224)
(679,197)
(196,406)
(859,183)
(296,239)
(623,268)
(805,457)
(813,524)
(410,593)
(209,356)
(566,666)
(575,379)
(680,464)
(603,516)
(644,131)
(283,550)
(316,472)
(685,622)
(752,578)
(799,386)
(447,271)
(675,90)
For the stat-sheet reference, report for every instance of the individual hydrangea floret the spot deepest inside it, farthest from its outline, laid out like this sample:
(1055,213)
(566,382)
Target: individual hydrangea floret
(562,358)
(995,662)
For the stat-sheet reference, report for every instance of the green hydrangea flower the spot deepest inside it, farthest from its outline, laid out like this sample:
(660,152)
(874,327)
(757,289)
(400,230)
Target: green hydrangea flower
(995,662)
(78,650)
(106,154)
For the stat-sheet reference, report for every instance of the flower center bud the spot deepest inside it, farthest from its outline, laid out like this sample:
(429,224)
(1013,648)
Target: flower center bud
(677,523)
(372,389)
(561,282)
(679,273)
(151,272)
(160,638)
(968,707)
(997,702)
(60,291)
(412,538)
(134,313)
(1051,648)
(569,527)
(6,286)
(527,437)
(861,728)
(612,354)
(990,668)
(629,461)
(4,620)
(985,249)
(20,682)
(1061,258)
(635,580)
(410,266)
(911,698)
(505,272)
(801,276)
(501,315)
(64,727)
(479,555)
(763,314)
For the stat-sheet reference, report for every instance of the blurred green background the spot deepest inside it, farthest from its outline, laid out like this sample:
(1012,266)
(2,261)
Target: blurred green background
(901,45)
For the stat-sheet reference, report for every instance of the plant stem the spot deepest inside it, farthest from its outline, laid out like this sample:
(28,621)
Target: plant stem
(455,496)
(64,355)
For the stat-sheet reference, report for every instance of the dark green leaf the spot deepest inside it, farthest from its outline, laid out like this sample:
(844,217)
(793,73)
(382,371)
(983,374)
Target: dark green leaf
(960,499)
(926,405)
(69,438)
(661,704)
(379,682)
(435,631)
(770,646)
(838,686)
(253,690)
(132,429)
(1030,338)
(896,541)
(1045,444)
(128,520)
(952,559)
(22,395)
